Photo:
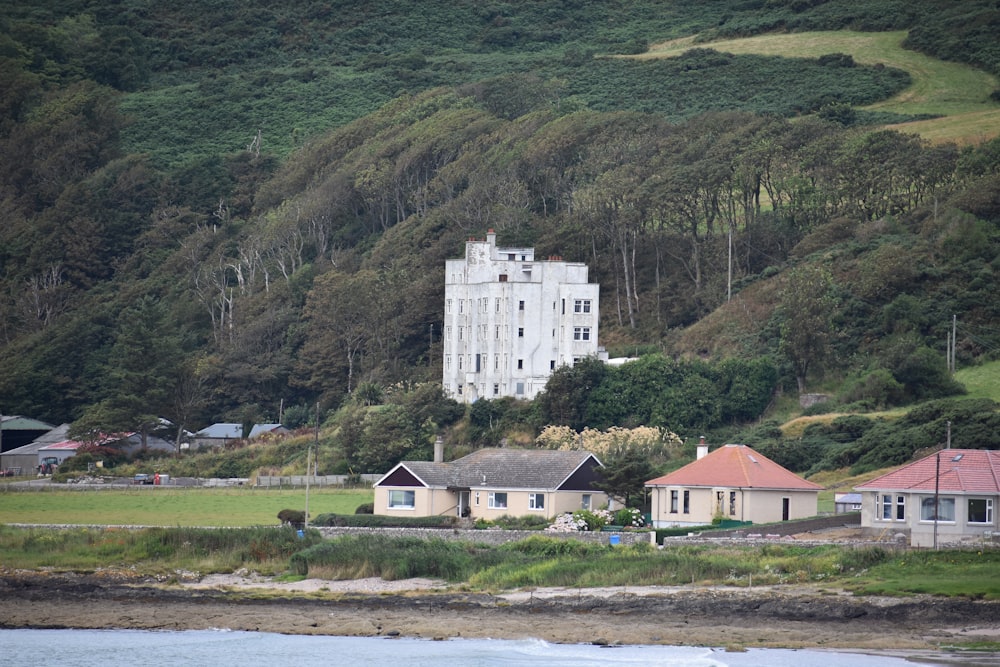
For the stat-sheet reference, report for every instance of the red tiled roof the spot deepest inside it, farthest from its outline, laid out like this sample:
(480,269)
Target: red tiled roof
(969,470)
(735,466)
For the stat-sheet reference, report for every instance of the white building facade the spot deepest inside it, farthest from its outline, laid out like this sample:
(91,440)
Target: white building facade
(510,320)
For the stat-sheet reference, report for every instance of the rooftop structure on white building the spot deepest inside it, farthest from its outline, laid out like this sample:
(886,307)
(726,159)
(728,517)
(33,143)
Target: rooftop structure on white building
(510,320)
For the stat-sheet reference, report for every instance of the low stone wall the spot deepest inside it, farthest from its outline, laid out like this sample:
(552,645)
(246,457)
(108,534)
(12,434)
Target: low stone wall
(271,481)
(491,537)
(852,520)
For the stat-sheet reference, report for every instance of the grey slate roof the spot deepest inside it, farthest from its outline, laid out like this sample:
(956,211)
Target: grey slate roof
(502,469)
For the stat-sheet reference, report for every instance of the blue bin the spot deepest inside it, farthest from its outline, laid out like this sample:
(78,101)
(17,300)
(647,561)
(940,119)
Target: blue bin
(301,534)
(613,540)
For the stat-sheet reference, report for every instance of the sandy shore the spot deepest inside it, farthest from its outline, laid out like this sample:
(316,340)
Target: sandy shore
(791,617)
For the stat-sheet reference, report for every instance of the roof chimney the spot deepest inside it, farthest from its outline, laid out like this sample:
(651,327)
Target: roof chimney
(702,448)
(438,450)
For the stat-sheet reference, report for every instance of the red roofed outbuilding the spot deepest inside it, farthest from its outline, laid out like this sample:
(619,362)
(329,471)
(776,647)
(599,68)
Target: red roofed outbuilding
(953,492)
(732,482)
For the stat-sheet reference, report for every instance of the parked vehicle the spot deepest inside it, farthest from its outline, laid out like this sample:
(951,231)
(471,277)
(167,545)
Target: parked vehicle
(142,478)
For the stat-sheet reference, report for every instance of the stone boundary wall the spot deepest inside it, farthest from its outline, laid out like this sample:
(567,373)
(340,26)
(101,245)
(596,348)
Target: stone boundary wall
(491,537)
(272,481)
(850,520)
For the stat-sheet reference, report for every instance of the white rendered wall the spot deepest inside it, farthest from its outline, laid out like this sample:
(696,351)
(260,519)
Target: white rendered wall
(510,320)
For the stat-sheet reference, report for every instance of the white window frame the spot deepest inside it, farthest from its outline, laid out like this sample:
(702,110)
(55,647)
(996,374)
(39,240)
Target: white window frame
(586,501)
(581,333)
(536,501)
(493,500)
(398,497)
(581,306)
(989,512)
(945,504)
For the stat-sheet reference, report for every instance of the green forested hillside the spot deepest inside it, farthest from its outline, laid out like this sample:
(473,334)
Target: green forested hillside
(217,211)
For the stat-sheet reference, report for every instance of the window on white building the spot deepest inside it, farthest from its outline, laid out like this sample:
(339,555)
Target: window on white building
(536,501)
(460,362)
(520,332)
(520,364)
(401,500)
(981,510)
(447,362)
(497,500)
(687,502)
(496,389)
(447,306)
(581,333)
(460,335)
(520,305)
(581,306)
(496,362)
(520,389)
(498,305)
(461,305)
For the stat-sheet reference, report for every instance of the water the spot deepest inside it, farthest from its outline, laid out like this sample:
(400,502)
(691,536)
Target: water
(118,648)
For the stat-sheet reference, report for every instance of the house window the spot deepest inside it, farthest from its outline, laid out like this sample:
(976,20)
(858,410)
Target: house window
(581,333)
(477,499)
(888,503)
(520,305)
(497,500)
(732,503)
(496,362)
(687,502)
(460,362)
(496,390)
(519,389)
(585,501)
(945,509)
(498,305)
(536,501)
(460,334)
(447,362)
(552,365)
(448,305)
(461,305)
(401,500)
(503,277)
(980,510)
(520,332)
(520,364)
(497,334)
(581,306)
(673,502)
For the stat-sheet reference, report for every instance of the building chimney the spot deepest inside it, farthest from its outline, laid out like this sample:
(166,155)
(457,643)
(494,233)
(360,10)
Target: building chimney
(702,448)
(438,450)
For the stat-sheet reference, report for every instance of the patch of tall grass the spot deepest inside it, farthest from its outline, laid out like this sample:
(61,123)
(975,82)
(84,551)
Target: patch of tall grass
(153,550)
(390,558)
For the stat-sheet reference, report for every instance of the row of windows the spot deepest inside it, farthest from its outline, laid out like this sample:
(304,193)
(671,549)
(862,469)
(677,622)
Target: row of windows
(579,333)
(482,305)
(495,500)
(893,508)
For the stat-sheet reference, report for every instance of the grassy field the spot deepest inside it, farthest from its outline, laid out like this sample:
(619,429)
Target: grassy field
(981,381)
(151,506)
(957,92)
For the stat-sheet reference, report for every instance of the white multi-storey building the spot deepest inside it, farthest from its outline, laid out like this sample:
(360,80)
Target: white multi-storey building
(509,320)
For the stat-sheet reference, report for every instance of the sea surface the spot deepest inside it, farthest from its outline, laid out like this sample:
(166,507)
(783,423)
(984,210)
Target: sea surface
(117,648)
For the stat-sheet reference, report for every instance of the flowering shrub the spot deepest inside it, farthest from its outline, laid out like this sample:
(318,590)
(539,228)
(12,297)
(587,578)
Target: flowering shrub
(653,443)
(629,517)
(581,520)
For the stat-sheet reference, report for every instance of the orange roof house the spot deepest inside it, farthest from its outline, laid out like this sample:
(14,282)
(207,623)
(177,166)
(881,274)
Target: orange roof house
(732,482)
(947,497)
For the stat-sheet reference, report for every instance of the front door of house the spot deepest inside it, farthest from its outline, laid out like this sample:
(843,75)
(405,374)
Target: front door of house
(463,503)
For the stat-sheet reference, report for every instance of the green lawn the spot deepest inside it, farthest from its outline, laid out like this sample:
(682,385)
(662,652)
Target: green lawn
(981,381)
(958,92)
(150,506)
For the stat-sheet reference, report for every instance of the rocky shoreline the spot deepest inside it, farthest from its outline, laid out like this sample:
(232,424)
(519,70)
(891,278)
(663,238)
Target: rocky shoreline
(788,617)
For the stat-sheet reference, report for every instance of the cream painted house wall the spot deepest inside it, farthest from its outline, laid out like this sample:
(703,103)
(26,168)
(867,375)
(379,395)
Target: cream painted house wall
(754,505)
